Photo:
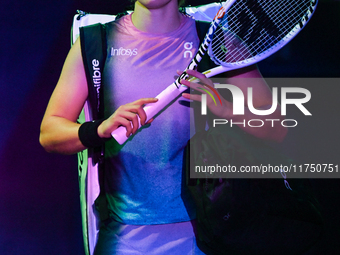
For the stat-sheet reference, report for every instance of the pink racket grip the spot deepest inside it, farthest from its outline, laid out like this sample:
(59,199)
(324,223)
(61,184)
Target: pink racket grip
(164,98)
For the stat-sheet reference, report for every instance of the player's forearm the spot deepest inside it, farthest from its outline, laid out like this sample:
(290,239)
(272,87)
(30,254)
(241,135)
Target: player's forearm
(59,135)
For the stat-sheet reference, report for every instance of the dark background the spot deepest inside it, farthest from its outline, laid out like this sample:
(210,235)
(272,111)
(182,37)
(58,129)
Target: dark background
(39,197)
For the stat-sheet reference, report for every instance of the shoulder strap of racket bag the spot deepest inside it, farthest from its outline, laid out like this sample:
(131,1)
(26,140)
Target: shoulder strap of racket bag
(94,55)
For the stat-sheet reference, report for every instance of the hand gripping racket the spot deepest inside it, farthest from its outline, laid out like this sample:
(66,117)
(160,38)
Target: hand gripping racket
(242,33)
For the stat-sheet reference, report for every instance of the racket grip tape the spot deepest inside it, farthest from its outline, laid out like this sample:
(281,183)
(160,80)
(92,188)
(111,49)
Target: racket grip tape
(164,98)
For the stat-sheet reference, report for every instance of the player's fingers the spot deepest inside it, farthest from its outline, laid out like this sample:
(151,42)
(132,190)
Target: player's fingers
(144,101)
(138,112)
(199,77)
(149,121)
(136,115)
(192,85)
(142,115)
(121,121)
(135,123)
(194,97)
(126,115)
(196,74)
(179,72)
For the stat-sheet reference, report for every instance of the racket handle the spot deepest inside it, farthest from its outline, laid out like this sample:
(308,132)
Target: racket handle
(164,98)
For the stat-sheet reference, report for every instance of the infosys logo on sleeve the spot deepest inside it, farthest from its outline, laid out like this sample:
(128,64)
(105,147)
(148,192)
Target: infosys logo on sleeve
(123,52)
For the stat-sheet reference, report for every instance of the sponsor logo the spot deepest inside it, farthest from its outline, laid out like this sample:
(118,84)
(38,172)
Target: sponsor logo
(97,79)
(188,48)
(123,52)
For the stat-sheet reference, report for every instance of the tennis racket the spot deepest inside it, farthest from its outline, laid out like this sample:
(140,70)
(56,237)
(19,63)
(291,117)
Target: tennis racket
(242,33)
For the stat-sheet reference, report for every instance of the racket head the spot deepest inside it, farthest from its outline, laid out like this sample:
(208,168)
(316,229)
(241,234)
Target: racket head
(252,30)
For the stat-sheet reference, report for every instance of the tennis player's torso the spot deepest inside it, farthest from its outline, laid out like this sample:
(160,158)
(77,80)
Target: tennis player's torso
(143,178)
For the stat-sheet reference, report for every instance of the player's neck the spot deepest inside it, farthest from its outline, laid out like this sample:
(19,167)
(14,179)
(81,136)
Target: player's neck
(157,20)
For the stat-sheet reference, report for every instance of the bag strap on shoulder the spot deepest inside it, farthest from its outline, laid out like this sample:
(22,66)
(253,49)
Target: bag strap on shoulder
(94,55)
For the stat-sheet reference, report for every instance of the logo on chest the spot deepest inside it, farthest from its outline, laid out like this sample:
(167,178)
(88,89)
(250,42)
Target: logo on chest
(123,52)
(187,50)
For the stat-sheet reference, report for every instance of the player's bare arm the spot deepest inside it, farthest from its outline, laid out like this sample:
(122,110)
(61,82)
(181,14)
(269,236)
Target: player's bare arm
(59,129)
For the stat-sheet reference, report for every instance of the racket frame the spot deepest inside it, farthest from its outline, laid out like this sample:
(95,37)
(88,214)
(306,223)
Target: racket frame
(224,67)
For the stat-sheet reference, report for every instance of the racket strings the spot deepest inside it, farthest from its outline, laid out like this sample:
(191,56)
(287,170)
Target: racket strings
(268,40)
(298,7)
(281,20)
(251,27)
(266,37)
